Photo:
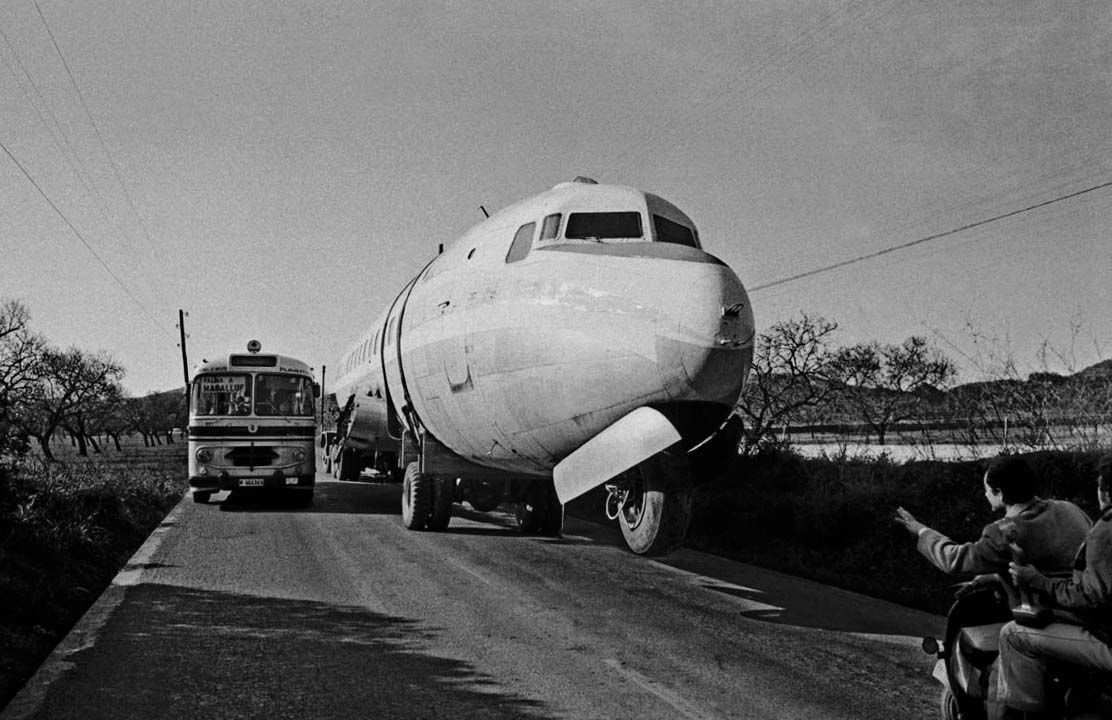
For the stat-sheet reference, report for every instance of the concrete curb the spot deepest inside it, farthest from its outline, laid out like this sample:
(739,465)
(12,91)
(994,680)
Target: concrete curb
(84,634)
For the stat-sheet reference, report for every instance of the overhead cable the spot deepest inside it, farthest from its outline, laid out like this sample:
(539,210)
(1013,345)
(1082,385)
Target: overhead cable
(929,238)
(84,242)
(96,129)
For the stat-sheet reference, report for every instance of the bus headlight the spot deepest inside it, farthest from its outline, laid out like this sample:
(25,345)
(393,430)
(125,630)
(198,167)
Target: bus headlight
(204,455)
(298,454)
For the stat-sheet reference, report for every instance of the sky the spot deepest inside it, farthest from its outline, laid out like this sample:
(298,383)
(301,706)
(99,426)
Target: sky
(279,170)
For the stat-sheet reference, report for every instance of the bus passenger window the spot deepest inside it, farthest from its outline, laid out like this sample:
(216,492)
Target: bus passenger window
(522,242)
(550,230)
(668,231)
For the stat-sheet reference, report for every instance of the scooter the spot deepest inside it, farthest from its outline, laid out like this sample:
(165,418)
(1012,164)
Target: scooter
(968,651)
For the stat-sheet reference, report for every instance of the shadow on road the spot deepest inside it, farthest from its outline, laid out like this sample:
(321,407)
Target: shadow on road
(769,596)
(334,497)
(172,652)
(774,597)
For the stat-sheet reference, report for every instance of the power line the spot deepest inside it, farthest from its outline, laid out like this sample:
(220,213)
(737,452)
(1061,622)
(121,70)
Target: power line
(83,240)
(929,238)
(96,128)
(61,139)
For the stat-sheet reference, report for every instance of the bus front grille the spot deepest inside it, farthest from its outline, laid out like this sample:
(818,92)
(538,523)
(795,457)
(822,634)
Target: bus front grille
(252,456)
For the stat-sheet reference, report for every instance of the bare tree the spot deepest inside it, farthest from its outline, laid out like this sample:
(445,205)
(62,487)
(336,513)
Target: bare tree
(66,384)
(21,351)
(886,384)
(789,374)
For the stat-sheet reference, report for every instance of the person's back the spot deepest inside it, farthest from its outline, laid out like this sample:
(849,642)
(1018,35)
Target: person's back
(1048,531)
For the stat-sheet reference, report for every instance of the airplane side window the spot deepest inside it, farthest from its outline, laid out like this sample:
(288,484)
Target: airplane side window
(550,230)
(390,332)
(522,242)
(374,345)
(672,232)
(601,226)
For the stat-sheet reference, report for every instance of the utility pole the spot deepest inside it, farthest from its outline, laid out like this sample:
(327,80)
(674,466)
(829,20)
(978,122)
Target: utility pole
(184,360)
(323,368)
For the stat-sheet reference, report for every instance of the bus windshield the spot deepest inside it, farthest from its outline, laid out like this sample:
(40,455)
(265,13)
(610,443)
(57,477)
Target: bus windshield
(224,394)
(270,395)
(284,395)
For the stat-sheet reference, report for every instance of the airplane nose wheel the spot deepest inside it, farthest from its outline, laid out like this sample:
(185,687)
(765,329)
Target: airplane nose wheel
(627,499)
(652,503)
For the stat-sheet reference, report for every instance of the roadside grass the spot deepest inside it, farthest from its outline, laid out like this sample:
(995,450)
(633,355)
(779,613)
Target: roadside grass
(66,529)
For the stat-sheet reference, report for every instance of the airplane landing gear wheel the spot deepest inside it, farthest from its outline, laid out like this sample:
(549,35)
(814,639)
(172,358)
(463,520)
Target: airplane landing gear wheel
(540,511)
(417,492)
(656,511)
(948,705)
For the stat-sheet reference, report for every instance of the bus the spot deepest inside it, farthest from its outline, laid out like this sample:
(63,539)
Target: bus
(252,425)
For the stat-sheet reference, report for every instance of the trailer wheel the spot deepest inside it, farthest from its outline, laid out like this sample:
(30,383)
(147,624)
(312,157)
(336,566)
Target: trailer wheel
(441,512)
(348,462)
(483,496)
(416,498)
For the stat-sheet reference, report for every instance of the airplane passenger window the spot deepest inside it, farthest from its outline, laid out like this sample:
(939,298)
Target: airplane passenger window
(389,340)
(672,232)
(603,226)
(550,230)
(522,242)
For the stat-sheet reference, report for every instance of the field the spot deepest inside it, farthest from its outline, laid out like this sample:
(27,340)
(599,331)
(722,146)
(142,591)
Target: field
(65,530)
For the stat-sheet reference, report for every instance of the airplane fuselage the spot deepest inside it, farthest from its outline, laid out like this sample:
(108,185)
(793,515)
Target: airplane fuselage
(547,323)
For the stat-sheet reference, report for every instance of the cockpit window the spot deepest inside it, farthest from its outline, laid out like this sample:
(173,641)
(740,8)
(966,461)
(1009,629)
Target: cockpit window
(550,230)
(523,239)
(672,232)
(603,226)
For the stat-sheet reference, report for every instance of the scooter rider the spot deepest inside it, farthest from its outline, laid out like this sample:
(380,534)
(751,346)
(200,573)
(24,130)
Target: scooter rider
(1048,530)
(1024,651)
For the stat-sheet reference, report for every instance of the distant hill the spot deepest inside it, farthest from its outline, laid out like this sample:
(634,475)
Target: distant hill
(1101,371)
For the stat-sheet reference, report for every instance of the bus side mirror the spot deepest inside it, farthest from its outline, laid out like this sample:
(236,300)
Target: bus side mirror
(316,390)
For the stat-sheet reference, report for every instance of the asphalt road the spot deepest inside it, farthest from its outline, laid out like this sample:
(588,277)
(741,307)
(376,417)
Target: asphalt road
(247,609)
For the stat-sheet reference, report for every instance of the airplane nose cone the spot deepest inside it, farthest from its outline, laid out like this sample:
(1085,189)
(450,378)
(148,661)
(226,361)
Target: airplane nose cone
(706,353)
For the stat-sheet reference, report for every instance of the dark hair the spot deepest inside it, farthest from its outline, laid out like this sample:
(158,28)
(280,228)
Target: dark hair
(1013,477)
(1104,467)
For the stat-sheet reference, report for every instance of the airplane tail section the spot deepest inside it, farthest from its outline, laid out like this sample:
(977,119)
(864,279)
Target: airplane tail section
(629,441)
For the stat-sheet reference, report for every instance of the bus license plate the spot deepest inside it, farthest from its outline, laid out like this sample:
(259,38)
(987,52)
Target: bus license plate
(291,481)
(251,482)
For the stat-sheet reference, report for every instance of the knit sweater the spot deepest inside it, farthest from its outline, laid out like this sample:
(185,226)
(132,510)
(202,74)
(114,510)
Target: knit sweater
(1049,532)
